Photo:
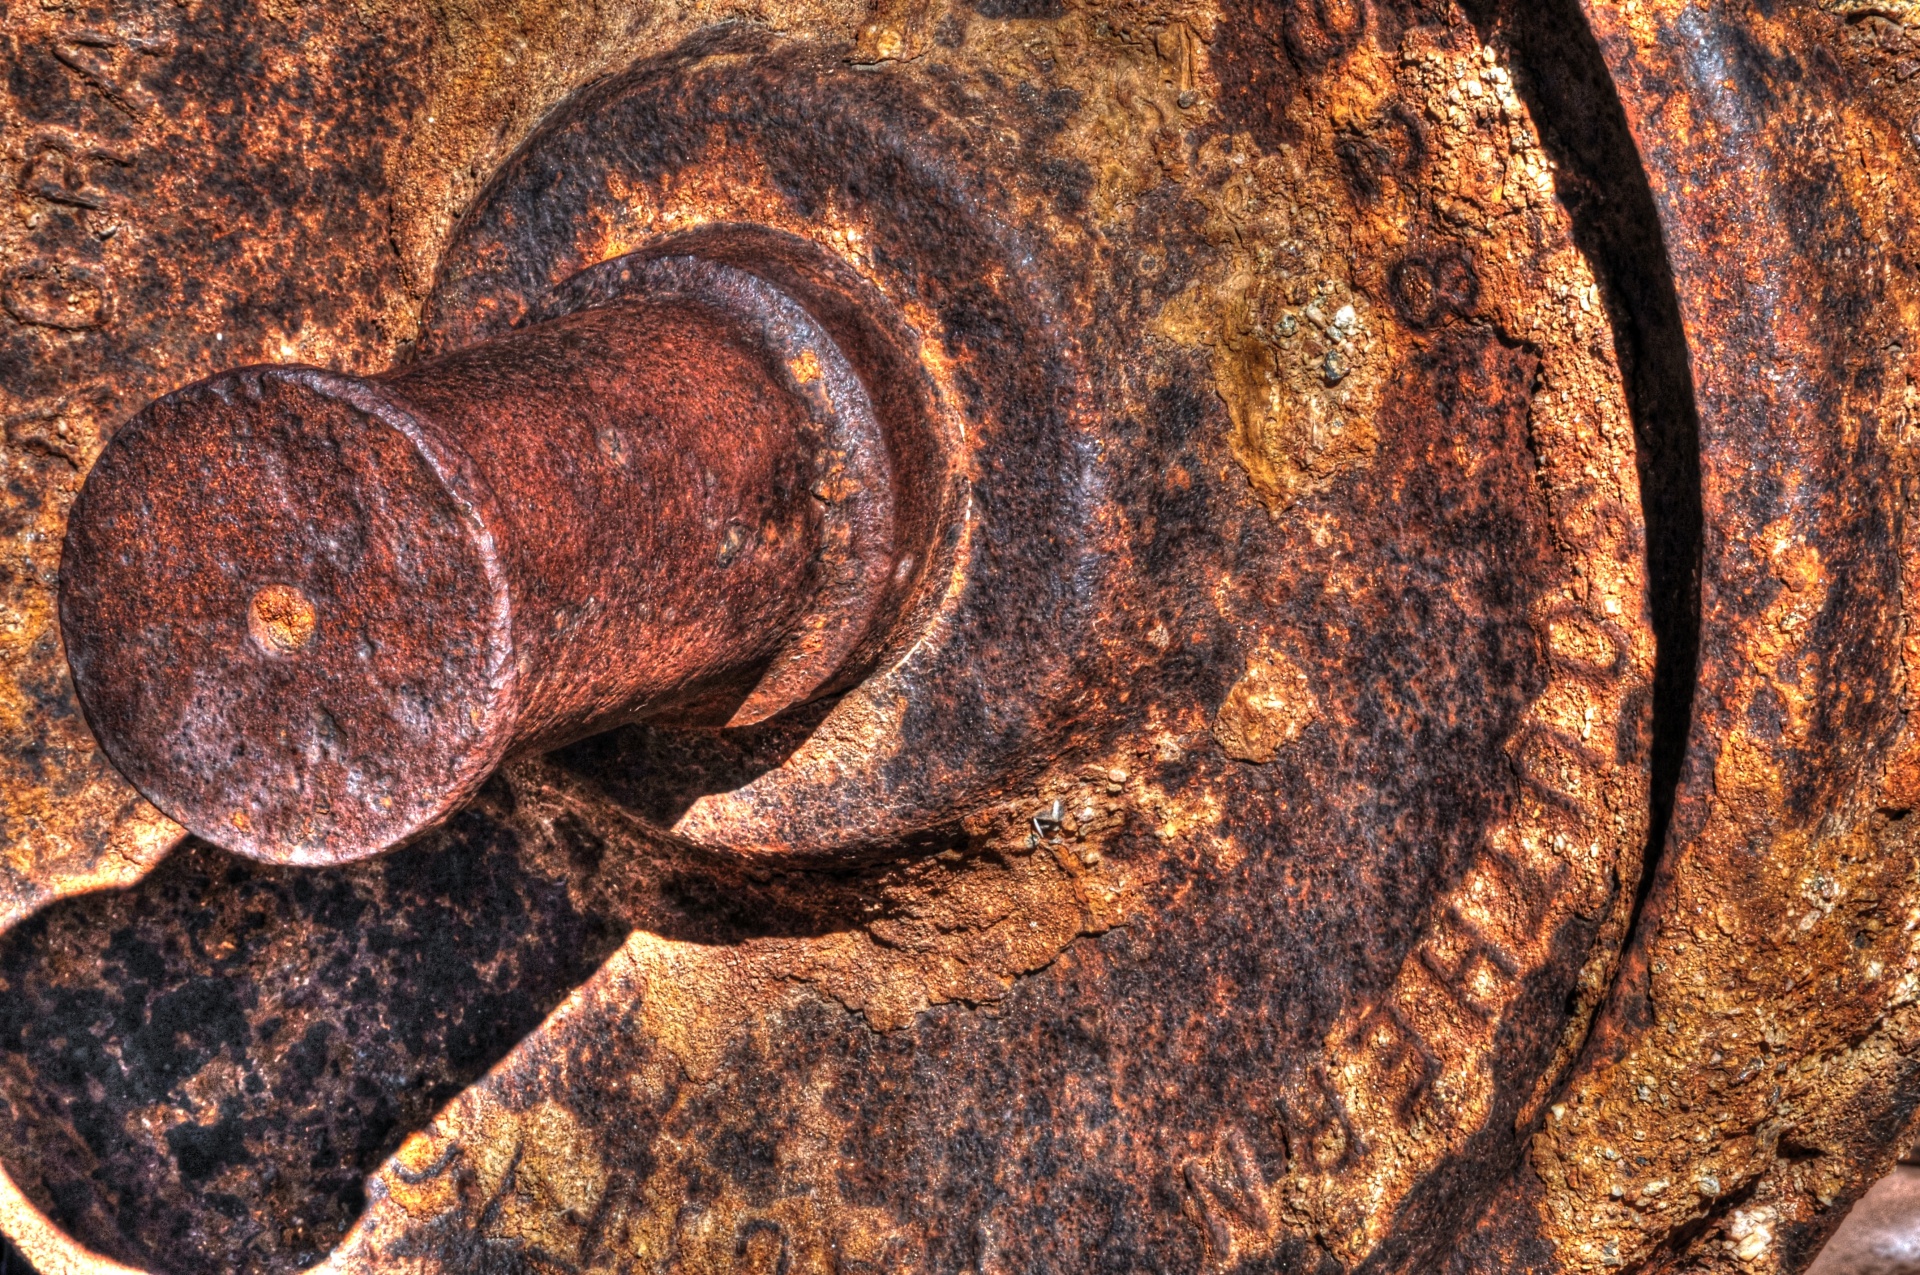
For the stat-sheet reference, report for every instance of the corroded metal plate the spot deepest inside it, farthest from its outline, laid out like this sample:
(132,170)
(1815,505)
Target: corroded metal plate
(1279,949)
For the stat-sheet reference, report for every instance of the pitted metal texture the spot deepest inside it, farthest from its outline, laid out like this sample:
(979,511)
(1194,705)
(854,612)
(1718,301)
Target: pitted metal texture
(1390,757)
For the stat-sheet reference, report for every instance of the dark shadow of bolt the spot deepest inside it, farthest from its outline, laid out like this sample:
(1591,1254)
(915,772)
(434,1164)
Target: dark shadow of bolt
(228,1048)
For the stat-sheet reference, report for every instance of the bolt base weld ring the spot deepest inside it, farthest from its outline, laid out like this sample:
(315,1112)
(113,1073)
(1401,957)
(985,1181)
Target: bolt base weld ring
(860,572)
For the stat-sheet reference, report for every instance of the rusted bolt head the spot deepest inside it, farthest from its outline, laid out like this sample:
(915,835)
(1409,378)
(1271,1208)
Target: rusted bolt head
(307,614)
(273,577)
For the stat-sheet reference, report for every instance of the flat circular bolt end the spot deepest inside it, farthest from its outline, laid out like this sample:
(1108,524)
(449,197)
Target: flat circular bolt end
(285,617)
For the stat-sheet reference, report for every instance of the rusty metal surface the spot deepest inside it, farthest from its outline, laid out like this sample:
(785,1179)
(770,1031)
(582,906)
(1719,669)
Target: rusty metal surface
(308,615)
(1752,1070)
(1232,866)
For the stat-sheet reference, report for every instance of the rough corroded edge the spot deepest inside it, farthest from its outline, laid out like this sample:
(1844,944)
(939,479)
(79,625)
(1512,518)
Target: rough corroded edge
(1778,904)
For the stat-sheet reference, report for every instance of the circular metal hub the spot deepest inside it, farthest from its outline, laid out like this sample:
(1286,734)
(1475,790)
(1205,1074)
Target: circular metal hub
(1225,850)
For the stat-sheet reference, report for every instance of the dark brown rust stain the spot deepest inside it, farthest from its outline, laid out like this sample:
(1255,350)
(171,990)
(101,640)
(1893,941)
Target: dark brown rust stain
(203,1070)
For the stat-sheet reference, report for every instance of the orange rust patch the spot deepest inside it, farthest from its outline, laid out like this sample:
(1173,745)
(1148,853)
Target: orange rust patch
(1266,710)
(281,619)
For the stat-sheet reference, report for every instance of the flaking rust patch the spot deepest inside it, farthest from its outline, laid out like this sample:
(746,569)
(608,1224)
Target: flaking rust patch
(1288,304)
(956,928)
(1291,312)
(1266,710)
(1301,382)
(1298,354)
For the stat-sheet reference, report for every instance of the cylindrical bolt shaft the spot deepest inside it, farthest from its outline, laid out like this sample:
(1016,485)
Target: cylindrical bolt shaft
(307,614)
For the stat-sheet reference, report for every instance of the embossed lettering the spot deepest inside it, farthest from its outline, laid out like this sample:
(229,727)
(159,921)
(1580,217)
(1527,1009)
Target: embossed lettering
(1229,1191)
(762,1248)
(1426,291)
(1473,970)
(1318,1131)
(1318,31)
(1393,144)
(1582,643)
(1403,1063)
(1553,766)
(1512,892)
(62,169)
(104,62)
